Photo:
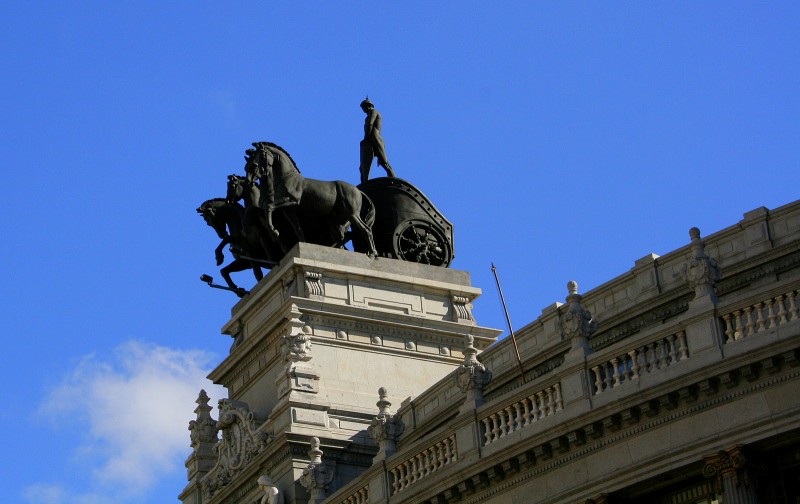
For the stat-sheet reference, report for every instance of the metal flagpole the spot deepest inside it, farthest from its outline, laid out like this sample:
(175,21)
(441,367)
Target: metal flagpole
(508,321)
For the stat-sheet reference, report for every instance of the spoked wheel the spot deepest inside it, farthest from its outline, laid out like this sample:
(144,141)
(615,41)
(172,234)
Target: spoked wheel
(421,242)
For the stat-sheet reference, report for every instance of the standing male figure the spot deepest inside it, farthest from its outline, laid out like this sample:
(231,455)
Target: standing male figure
(372,145)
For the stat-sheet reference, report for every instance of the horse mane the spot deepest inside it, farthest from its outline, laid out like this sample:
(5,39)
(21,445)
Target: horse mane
(210,202)
(276,146)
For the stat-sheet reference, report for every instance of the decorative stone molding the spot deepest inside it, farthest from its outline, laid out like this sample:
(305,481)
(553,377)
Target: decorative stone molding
(462,310)
(700,271)
(241,442)
(729,469)
(318,475)
(203,434)
(314,285)
(577,323)
(472,376)
(296,348)
(271,493)
(385,428)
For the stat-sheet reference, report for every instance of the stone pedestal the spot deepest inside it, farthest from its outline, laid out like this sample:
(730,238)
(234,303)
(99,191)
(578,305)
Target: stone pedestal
(319,335)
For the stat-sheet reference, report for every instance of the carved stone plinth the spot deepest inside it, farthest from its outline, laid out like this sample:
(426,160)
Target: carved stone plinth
(318,475)
(472,376)
(385,428)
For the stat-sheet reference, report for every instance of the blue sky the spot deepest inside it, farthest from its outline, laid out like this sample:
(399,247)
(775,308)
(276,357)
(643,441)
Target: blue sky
(564,140)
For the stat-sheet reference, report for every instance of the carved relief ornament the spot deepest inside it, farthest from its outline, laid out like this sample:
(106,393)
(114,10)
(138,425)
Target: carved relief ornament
(241,441)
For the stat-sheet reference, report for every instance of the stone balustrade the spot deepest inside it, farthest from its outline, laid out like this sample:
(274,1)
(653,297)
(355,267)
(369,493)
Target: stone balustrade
(640,360)
(361,496)
(522,413)
(424,464)
(761,316)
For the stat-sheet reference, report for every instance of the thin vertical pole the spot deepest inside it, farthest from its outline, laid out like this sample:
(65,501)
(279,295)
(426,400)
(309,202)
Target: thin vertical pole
(508,321)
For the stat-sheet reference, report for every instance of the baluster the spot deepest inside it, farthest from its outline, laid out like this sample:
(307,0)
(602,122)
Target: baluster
(496,430)
(551,404)
(652,360)
(792,306)
(770,314)
(609,374)
(518,419)
(760,318)
(673,348)
(503,424)
(440,459)
(559,399)
(534,408)
(487,431)
(634,364)
(748,315)
(420,465)
(616,375)
(408,478)
(542,405)
(728,328)
(683,348)
(510,423)
(527,414)
(662,354)
(781,310)
(396,479)
(739,331)
(448,455)
(413,468)
(429,461)
(598,380)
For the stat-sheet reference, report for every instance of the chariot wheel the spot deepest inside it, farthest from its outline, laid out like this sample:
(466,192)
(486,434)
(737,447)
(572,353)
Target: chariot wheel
(420,241)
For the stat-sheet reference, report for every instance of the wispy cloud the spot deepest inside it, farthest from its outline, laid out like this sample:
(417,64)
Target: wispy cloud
(135,410)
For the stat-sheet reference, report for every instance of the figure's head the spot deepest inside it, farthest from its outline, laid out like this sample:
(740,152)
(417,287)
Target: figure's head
(367,105)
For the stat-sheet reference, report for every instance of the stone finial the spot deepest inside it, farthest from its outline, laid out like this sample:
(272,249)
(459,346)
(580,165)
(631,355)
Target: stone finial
(577,323)
(315,453)
(203,434)
(383,403)
(700,271)
(318,475)
(385,428)
(472,376)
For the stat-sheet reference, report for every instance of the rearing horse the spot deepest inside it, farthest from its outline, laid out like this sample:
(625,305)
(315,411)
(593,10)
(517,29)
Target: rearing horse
(335,205)
(227,219)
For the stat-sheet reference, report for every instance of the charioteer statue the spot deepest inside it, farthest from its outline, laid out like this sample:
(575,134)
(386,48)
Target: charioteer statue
(382,217)
(372,146)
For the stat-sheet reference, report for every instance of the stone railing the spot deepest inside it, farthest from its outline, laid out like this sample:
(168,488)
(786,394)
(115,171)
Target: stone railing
(638,361)
(759,317)
(361,496)
(425,463)
(522,413)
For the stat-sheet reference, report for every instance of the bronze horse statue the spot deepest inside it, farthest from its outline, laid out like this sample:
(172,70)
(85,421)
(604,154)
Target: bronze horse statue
(227,219)
(316,211)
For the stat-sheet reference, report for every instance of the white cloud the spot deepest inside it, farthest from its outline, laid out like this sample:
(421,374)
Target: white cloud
(135,410)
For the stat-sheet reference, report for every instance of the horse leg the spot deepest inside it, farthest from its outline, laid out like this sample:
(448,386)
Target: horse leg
(235,267)
(366,233)
(291,216)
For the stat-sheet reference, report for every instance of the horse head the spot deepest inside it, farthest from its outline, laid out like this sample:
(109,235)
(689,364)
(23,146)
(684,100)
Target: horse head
(213,213)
